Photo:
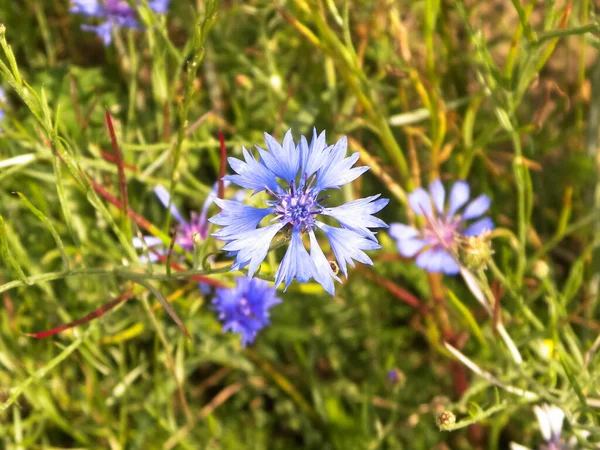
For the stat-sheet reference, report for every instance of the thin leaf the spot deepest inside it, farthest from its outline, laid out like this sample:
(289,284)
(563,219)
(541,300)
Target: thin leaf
(40,215)
(165,304)
(7,255)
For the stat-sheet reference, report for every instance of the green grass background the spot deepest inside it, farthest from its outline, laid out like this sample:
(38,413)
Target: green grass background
(501,93)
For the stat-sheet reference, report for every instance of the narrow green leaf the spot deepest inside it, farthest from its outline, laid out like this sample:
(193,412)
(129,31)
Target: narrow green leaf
(63,200)
(48,224)
(573,382)
(468,317)
(7,256)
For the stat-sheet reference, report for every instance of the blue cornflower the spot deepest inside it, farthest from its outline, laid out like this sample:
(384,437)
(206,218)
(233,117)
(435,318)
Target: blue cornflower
(115,13)
(244,309)
(436,243)
(295,177)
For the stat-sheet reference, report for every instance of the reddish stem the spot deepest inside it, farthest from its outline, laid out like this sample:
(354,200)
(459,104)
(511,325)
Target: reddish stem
(222,166)
(396,290)
(113,159)
(93,315)
(145,224)
(119,163)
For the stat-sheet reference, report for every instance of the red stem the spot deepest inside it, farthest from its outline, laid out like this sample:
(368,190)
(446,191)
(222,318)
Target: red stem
(119,163)
(93,315)
(222,166)
(113,159)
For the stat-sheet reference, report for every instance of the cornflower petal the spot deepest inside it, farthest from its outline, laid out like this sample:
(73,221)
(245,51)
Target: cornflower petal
(324,275)
(313,156)
(400,231)
(151,241)
(164,197)
(283,160)
(420,202)
(151,257)
(449,264)
(159,6)
(433,260)
(88,7)
(104,31)
(236,218)
(348,245)
(251,247)
(210,198)
(479,227)
(459,195)
(410,247)
(295,264)
(438,195)
(251,174)
(337,170)
(357,215)
(477,207)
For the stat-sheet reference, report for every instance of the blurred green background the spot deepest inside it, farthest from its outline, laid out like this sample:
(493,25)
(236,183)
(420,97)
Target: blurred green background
(501,93)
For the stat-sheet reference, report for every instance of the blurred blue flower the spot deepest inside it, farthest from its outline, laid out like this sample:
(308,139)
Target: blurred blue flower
(244,309)
(186,232)
(295,178)
(394,376)
(436,243)
(114,13)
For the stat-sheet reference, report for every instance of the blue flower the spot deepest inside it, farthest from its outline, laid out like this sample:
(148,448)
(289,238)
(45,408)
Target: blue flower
(394,376)
(435,245)
(244,309)
(295,177)
(114,13)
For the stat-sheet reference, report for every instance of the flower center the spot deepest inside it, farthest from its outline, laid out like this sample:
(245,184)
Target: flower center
(186,232)
(441,231)
(297,207)
(243,308)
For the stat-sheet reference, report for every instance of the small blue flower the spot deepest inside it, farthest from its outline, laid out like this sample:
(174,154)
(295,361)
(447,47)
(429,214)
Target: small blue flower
(436,243)
(394,376)
(244,309)
(114,13)
(295,177)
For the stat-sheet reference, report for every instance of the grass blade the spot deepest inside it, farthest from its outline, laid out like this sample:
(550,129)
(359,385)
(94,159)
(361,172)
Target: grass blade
(40,215)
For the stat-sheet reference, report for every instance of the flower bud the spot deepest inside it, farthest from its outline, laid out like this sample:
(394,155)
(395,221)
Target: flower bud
(476,251)
(445,420)
(541,270)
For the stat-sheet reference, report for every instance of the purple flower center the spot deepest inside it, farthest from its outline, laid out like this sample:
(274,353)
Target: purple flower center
(186,232)
(243,308)
(441,232)
(297,207)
